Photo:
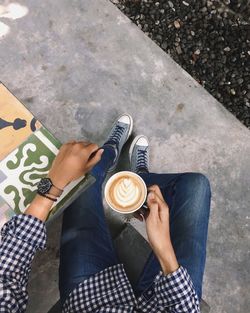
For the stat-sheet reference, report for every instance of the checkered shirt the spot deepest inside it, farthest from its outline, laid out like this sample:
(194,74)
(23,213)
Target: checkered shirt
(108,291)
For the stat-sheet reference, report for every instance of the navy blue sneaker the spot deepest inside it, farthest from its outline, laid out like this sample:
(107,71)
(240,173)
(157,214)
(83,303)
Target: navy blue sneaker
(139,155)
(119,134)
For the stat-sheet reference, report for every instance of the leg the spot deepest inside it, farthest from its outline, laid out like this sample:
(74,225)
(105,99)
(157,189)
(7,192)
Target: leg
(86,244)
(188,196)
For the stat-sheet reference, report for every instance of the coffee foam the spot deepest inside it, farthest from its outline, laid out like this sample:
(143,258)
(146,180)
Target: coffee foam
(126,192)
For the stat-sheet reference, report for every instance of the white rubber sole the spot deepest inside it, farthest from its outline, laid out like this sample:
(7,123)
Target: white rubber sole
(134,143)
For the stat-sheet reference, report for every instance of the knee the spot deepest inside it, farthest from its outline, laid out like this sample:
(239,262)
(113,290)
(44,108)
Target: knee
(197,191)
(198,183)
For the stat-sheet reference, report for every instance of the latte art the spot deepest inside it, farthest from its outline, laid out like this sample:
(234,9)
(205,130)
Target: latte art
(126,192)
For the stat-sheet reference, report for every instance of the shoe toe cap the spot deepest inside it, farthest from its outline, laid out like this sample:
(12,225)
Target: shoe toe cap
(125,119)
(142,141)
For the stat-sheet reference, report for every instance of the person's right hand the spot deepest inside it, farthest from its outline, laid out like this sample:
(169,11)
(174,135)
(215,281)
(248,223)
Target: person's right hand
(74,160)
(157,226)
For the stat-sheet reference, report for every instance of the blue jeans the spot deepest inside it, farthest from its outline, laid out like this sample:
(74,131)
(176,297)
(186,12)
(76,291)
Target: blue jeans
(86,244)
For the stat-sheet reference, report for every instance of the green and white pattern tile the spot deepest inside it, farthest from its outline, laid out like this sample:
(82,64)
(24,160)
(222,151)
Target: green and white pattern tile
(23,168)
(5,212)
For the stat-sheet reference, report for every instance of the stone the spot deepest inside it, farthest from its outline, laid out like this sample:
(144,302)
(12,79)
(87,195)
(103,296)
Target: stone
(177,24)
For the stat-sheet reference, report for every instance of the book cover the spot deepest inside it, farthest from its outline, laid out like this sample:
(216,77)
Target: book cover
(27,150)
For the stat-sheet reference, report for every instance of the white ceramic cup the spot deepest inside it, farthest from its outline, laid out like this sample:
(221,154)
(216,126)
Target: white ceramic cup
(109,183)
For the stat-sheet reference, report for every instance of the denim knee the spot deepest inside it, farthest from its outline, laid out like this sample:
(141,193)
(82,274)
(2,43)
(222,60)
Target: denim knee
(198,182)
(196,187)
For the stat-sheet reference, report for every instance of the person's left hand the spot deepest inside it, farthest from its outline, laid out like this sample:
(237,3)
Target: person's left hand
(73,160)
(158,230)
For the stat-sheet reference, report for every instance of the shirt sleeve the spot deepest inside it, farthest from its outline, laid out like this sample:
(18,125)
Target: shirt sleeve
(173,293)
(22,236)
(176,291)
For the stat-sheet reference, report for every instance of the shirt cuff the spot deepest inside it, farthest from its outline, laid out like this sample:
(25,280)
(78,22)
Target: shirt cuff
(175,288)
(26,228)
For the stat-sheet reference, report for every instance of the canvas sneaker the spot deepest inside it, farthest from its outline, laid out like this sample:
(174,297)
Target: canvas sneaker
(139,155)
(119,134)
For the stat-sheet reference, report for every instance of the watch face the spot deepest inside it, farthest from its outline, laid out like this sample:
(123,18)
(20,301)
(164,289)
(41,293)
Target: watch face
(44,185)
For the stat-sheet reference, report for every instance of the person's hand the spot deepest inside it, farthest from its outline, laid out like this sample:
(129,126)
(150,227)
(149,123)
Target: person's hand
(73,160)
(157,226)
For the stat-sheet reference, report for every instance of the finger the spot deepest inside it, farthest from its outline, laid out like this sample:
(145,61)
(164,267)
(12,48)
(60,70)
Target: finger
(70,142)
(157,190)
(86,148)
(92,147)
(143,212)
(64,149)
(162,205)
(81,145)
(97,157)
(84,143)
(153,205)
(138,216)
(163,210)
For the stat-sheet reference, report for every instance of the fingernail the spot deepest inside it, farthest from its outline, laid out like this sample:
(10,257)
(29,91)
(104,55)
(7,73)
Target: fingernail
(151,196)
(101,151)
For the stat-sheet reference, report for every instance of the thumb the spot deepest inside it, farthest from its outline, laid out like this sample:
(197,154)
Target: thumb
(152,204)
(97,157)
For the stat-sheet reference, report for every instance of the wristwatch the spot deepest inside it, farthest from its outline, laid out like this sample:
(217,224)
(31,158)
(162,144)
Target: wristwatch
(46,188)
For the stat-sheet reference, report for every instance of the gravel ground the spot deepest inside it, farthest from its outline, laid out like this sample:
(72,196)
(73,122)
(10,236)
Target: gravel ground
(209,39)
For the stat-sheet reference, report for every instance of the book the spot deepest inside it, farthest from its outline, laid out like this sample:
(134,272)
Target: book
(27,150)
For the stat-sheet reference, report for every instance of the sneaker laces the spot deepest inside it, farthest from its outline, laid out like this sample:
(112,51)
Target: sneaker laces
(142,160)
(116,135)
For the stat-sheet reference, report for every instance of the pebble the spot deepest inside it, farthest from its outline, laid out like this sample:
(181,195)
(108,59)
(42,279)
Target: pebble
(164,45)
(178,49)
(177,24)
(208,38)
(170,3)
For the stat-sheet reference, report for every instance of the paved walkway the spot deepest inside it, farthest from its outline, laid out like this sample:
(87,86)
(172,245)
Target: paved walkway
(77,65)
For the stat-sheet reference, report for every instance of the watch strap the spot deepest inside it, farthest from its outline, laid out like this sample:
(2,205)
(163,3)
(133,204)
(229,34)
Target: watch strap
(58,189)
(46,196)
(55,192)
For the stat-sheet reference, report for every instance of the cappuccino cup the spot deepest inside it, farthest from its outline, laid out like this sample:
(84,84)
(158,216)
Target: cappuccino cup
(125,192)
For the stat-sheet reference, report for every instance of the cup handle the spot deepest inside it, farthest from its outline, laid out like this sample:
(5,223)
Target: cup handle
(143,210)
